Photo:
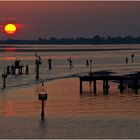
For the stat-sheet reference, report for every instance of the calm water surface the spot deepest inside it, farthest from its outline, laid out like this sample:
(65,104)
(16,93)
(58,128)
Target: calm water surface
(68,112)
(105,58)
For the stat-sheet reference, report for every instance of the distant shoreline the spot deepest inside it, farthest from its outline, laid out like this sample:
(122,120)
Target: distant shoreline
(63,44)
(96,40)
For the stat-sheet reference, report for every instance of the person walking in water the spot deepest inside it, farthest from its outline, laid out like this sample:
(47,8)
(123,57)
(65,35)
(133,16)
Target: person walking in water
(70,62)
(132,57)
(50,63)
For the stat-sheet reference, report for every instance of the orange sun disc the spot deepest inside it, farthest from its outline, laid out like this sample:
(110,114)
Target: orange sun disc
(10,28)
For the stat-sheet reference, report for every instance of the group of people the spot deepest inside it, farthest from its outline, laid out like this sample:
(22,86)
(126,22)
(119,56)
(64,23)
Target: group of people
(70,61)
(11,70)
(39,61)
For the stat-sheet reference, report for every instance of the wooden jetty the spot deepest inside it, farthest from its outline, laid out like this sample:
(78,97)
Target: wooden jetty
(106,78)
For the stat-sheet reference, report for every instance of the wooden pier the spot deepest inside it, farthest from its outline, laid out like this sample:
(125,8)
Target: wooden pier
(106,78)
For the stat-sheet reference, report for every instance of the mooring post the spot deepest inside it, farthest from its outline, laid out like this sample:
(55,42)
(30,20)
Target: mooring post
(4,76)
(50,63)
(38,62)
(94,88)
(81,88)
(27,70)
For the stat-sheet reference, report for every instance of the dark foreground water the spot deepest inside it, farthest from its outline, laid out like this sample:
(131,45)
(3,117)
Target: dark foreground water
(80,127)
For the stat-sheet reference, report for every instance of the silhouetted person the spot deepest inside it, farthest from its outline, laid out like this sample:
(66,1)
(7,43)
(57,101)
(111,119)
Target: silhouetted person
(38,59)
(70,62)
(50,63)
(126,60)
(87,63)
(8,70)
(27,69)
(132,57)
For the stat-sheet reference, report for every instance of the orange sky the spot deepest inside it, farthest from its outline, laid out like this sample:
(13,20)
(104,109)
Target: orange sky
(71,19)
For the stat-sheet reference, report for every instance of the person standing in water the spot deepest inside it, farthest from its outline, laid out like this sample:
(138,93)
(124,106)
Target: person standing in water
(132,57)
(70,62)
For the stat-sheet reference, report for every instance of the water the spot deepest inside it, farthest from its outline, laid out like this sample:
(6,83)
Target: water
(69,115)
(104,57)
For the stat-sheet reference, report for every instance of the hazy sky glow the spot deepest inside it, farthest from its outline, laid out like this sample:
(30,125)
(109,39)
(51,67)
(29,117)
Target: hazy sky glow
(71,19)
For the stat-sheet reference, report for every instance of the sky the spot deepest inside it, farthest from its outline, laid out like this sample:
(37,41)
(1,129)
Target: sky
(44,19)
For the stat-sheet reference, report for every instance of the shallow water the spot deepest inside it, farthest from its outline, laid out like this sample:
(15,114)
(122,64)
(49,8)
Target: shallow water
(69,114)
(64,99)
(105,58)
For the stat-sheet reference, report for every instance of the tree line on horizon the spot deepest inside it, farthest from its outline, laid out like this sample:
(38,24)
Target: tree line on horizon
(97,40)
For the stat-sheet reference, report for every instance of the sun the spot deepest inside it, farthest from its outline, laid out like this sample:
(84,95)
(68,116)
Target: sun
(10,28)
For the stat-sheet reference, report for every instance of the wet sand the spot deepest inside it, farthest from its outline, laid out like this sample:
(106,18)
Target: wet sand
(69,115)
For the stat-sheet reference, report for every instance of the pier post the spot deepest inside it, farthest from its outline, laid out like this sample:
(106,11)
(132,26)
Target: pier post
(136,85)
(94,88)
(81,87)
(90,86)
(121,86)
(105,86)
(90,70)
